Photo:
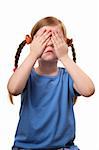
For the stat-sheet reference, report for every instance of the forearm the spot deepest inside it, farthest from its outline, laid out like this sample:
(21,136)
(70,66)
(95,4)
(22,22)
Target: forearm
(18,80)
(82,83)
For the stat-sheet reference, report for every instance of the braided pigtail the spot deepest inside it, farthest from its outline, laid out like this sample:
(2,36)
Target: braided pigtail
(27,40)
(19,50)
(69,43)
(17,55)
(73,53)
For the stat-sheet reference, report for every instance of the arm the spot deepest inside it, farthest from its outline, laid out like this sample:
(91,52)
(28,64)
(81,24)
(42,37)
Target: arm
(18,80)
(82,83)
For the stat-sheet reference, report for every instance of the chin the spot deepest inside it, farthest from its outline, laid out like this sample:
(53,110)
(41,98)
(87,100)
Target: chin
(49,58)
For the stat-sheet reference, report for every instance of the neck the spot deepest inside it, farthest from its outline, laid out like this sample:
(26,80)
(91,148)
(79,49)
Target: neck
(48,68)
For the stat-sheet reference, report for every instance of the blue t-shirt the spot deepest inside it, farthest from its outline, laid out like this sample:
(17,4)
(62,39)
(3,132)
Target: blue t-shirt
(46,113)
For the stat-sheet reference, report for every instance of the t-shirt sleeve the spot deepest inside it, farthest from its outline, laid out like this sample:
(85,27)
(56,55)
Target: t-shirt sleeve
(72,90)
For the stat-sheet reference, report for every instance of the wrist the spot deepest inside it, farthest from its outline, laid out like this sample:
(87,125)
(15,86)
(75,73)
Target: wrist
(63,58)
(33,54)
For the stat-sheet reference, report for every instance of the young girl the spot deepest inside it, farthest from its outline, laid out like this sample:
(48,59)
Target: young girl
(47,91)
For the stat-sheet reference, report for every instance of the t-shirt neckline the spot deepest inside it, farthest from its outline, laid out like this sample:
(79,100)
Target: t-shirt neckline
(46,76)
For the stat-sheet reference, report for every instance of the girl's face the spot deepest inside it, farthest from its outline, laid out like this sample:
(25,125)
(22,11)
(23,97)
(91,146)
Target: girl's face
(49,52)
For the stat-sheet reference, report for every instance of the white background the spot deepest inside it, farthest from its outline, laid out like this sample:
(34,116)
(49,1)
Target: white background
(80,17)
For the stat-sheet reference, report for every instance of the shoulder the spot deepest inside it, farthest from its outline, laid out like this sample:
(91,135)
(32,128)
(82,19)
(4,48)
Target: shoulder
(63,71)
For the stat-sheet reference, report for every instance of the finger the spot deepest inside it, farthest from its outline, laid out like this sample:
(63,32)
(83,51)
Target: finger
(54,42)
(44,37)
(45,33)
(40,31)
(59,40)
(60,33)
(54,37)
(45,43)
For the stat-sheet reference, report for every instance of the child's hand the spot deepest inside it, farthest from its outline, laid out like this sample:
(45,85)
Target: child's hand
(41,38)
(60,46)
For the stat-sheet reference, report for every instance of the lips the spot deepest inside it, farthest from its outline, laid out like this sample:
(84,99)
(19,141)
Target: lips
(48,49)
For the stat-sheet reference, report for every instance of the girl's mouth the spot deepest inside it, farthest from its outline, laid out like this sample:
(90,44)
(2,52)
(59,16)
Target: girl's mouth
(49,49)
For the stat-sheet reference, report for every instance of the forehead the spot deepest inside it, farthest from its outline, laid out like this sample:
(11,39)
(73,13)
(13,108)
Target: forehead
(53,28)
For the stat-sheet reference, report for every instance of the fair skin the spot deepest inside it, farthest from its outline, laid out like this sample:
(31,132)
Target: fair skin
(49,46)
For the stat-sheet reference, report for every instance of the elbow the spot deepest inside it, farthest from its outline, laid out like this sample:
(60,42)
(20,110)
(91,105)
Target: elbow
(12,91)
(89,91)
